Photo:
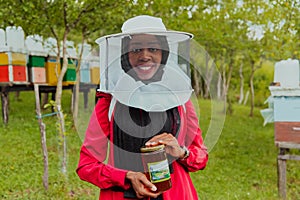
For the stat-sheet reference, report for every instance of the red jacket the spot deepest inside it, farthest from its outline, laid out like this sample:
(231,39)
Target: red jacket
(95,167)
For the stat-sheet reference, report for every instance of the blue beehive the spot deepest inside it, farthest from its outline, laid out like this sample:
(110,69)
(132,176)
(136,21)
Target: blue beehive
(85,72)
(286,101)
(287,109)
(84,65)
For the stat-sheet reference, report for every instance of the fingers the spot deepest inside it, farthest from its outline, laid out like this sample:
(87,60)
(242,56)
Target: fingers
(143,179)
(171,144)
(142,186)
(164,138)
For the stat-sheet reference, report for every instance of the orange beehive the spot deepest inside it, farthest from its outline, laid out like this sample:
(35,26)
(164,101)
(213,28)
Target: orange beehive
(4,73)
(19,74)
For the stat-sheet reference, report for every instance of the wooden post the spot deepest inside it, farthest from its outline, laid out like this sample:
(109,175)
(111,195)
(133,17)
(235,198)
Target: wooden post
(5,105)
(43,136)
(85,98)
(281,170)
(282,158)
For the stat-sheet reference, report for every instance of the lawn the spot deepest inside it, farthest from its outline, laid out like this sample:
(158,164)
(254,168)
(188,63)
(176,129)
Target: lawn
(242,164)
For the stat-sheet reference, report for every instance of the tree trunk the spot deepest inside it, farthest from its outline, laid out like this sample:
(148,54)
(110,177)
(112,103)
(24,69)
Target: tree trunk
(252,90)
(58,97)
(241,98)
(219,87)
(208,76)
(43,136)
(224,92)
(228,80)
(77,86)
(246,98)
(196,82)
(253,69)
(5,106)
(76,97)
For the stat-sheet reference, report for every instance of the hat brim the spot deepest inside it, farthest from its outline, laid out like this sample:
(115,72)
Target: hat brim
(172,36)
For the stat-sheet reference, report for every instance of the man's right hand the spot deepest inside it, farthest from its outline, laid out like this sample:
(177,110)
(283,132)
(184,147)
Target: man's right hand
(141,185)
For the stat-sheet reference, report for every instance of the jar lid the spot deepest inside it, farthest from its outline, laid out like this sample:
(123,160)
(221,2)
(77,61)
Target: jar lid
(153,148)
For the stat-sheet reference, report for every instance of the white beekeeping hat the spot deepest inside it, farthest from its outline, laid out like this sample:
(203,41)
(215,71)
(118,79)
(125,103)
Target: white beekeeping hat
(174,87)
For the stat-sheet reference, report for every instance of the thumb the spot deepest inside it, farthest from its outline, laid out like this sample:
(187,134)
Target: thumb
(149,185)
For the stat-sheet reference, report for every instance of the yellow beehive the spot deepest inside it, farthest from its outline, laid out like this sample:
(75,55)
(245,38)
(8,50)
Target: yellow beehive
(4,59)
(52,71)
(95,75)
(18,59)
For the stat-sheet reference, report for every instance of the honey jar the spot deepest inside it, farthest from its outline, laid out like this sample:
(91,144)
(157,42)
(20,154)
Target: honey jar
(156,167)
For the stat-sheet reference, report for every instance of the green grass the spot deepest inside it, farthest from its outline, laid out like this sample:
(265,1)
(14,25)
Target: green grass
(242,164)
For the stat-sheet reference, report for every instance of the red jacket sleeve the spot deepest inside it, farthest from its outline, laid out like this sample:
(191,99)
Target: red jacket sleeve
(93,154)
(191,137)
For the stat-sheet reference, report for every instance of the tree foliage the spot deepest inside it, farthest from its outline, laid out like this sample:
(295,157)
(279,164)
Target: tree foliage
(234,33)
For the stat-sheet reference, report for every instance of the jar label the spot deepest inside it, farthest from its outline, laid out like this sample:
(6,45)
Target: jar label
(159,171)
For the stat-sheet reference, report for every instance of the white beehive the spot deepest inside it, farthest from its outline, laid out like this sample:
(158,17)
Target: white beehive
(287,73)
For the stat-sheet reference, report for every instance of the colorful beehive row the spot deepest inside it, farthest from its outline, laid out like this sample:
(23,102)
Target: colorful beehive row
(35,60)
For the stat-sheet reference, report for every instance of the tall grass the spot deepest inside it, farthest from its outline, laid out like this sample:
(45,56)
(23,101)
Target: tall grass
(242,165)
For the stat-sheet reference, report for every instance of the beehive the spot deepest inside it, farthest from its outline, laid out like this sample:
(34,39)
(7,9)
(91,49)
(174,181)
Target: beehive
(18,59)
(85,75)
(12,58)
(287,101)
(52,71)
(13,67)
(19,74)
(5,74)
(36,61)
(37,74)
(4,60)
(95,71)
(70,75)
(95,75)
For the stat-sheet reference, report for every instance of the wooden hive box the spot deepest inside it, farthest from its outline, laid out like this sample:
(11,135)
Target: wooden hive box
(52,68)
(19,74)
(287,119)
(18,59)
(70,77)
(37,74)
(36,61)
(4,60)
(13,68)
(5,74)
(95,75)
(85,75)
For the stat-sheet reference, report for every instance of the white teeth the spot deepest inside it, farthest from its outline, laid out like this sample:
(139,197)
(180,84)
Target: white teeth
(144,68)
